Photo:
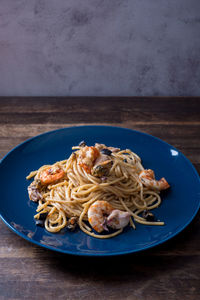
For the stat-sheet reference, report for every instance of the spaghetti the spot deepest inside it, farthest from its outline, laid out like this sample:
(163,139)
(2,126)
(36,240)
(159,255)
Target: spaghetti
(66,190)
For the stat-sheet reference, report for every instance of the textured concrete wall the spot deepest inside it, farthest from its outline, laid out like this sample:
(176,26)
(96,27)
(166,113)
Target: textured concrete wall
(97,47)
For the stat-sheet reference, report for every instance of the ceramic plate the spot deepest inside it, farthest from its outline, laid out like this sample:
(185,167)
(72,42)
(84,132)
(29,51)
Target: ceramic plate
(178,208)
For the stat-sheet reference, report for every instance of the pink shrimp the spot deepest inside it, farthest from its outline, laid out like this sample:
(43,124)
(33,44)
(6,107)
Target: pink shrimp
(97,214)
(101,214)
(147,177)
(86,157)
(51,174)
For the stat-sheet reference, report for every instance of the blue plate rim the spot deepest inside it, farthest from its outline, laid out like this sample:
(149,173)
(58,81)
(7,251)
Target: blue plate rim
(124,252)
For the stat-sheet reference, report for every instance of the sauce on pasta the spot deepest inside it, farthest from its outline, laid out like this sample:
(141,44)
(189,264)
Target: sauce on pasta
(70,190)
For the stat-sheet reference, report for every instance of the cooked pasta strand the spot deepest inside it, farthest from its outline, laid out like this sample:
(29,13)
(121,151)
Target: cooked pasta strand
(76,189)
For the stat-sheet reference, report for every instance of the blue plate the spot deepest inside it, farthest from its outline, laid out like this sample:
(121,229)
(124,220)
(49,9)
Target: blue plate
(178,208)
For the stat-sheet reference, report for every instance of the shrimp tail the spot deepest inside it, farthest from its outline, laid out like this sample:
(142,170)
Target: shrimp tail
(147,178)
(163,184)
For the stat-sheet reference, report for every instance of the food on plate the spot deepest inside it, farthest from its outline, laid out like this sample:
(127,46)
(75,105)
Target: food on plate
(99,189)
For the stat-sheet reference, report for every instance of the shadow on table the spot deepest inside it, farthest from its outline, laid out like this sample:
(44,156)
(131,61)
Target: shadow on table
(172,255)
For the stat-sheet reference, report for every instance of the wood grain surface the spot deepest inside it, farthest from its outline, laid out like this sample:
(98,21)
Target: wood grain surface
(169,271)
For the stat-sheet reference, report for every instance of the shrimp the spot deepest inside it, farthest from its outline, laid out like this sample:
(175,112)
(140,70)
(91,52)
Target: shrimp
(147,177)
(86,157)
(101,214)
(118,219)
(97,214)
(51,174)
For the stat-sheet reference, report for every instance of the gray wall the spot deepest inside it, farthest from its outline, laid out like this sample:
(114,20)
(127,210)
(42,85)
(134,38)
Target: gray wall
(97,47)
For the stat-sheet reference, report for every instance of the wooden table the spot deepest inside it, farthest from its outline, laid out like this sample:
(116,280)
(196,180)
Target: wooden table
(169,271)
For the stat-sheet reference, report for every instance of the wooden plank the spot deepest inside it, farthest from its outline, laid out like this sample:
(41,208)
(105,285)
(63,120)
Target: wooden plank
(80,279)
(186,138)
(170,270)
(76,110)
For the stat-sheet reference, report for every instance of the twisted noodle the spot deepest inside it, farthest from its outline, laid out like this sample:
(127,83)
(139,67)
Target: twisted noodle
(74,194)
